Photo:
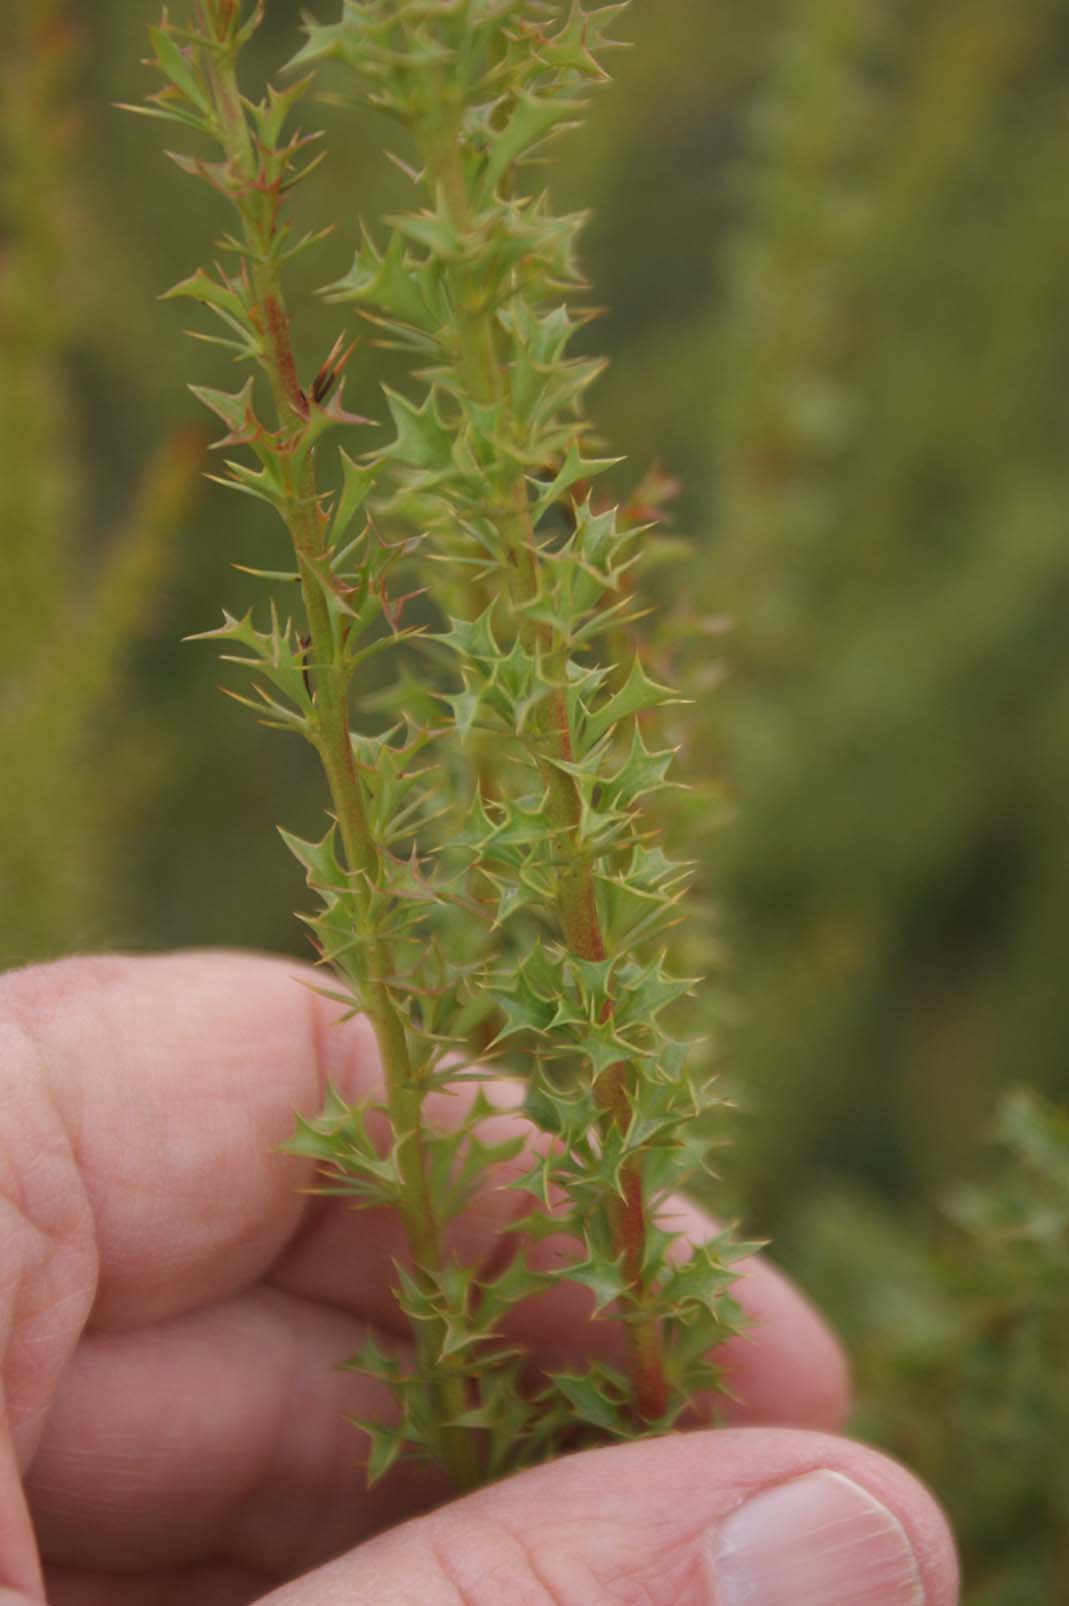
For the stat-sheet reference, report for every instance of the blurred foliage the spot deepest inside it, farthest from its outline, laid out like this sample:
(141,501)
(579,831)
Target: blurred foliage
(890,535)
(76,769)
(834,241)
(959,1343)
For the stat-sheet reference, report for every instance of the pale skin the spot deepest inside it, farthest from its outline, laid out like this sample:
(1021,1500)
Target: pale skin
(172,1309)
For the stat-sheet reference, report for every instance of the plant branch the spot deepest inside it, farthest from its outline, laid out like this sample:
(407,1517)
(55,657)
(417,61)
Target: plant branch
(258,204)
(482,366)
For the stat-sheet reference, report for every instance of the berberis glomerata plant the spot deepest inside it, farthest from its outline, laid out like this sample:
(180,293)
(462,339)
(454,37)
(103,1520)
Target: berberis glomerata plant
(493,890)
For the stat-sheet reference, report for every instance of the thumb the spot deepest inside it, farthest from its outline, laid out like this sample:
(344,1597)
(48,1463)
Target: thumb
(748,1517)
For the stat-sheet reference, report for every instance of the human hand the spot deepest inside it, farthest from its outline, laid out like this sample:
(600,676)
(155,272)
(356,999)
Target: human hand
(172,1313)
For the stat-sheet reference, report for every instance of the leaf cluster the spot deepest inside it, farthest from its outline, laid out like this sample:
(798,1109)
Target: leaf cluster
(491,878)
(532,572)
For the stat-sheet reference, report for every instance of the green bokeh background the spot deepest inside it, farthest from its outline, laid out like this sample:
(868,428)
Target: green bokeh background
(832,237)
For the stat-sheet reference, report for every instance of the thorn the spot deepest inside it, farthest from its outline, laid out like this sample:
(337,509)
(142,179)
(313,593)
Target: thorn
(331,371)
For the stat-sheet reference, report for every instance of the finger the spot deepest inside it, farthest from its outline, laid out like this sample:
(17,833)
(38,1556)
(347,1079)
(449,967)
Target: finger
(224,1431)
(19,1564)
(787,1369)
(219,1585)
(162,1087)
(732,1518)
(142,1103)
(220,1433)
(172,1081)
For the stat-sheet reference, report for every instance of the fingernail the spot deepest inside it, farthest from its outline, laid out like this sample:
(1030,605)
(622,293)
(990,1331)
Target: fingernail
(819,1540)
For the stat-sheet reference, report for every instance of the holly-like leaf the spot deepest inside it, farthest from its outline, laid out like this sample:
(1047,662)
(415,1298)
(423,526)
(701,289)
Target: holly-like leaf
(604,1278)
(421,441)
(385,1446)
(596,1396)
(574,468)
(532,119)
(637,693)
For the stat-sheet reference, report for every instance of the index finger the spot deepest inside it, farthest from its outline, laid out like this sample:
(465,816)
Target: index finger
(162,1086)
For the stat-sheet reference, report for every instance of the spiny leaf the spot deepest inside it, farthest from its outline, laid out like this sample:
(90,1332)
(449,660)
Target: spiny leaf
(176,66)
(637,692)
(385,1446)
(575,467)
(234,408)
(532,118)
(421,440)
(596,1397)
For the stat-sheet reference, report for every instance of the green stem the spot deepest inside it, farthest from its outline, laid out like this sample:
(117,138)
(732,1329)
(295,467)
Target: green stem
(330,736)
(577,905)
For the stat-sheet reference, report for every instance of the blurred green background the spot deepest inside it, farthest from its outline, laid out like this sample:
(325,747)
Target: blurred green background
(832,237)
